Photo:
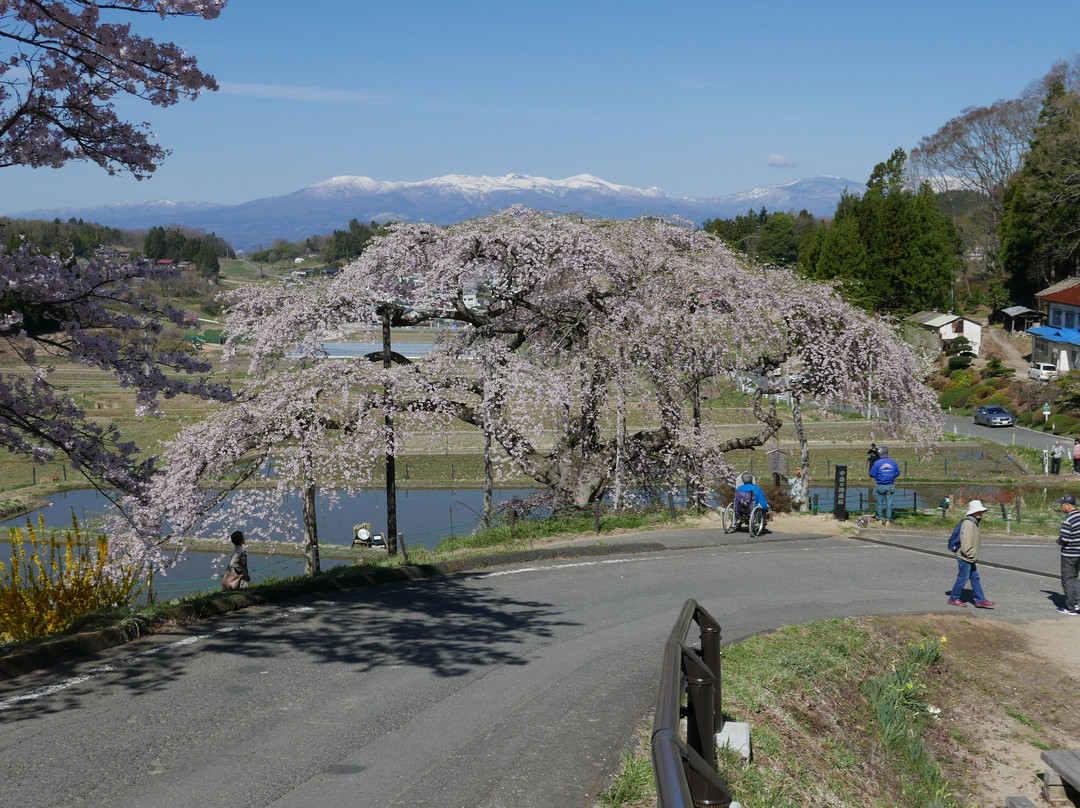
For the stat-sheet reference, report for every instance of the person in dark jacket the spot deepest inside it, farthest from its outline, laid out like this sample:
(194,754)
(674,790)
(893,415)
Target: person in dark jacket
(237,565)
(1069,540)
(966,558)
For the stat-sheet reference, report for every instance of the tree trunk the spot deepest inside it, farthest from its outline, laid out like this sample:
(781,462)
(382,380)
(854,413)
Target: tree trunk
(388,421)
(804,450)
(620,447)
(488,481)
(695,477)
(311,532)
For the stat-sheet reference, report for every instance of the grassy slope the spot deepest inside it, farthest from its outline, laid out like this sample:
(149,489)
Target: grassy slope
(818,741)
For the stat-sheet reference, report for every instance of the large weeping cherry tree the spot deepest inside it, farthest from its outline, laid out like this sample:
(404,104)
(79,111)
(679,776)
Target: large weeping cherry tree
(579,347)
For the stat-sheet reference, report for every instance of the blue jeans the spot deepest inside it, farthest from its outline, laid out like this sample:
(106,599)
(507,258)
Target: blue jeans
(883,496)
(967,572)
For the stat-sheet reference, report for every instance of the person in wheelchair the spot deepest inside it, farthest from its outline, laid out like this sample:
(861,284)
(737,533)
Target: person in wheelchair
(751,494)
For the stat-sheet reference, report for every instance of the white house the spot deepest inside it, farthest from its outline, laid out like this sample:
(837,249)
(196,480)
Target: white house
(945,327)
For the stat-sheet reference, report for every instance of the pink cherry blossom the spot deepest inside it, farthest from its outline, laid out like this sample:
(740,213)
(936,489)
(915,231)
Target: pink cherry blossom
(568,330)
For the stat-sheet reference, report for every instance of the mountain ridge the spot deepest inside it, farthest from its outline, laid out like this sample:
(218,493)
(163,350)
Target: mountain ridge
(330,205)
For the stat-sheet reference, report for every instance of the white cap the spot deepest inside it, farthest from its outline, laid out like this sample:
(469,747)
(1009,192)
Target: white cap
(975,506)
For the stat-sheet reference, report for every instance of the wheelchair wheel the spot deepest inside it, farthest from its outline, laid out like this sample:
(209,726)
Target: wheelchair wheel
(757,521)
(727,518)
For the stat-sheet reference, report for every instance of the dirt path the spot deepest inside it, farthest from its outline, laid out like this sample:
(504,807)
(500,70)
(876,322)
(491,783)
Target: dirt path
(1006,346)
(1017,696)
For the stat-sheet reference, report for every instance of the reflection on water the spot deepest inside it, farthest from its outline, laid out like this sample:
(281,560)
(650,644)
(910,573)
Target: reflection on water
(425,517)
(968,455)
(341,350)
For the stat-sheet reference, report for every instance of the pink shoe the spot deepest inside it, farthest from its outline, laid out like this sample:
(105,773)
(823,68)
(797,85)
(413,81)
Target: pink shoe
(985,604)
(957,603)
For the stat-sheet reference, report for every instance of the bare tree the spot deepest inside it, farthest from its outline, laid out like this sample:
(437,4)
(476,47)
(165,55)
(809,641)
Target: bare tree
(982,149)
(979,150)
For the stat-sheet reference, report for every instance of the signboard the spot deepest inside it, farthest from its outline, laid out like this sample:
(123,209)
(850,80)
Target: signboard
(777,461)
(840,500)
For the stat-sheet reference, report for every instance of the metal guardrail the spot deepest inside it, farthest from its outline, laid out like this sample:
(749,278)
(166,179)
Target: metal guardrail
(685,770)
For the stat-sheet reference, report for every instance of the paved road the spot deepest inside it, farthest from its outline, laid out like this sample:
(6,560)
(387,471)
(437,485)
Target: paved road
(1009,436)
(516,687)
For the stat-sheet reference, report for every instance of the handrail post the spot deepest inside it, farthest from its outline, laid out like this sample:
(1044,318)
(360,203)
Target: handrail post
(686,775)
(711,654)
(706,788)
(700,681)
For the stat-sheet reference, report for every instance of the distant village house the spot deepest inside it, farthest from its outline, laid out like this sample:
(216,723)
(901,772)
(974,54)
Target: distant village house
(1058,342)
(932,329)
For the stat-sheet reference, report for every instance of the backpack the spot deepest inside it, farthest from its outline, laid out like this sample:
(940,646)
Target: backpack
(954,539)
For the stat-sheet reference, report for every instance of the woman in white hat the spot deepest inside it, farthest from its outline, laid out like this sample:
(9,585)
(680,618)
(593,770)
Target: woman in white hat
(966,558)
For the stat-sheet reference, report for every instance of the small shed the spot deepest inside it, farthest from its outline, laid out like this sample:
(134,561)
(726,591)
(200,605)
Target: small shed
(1018,318)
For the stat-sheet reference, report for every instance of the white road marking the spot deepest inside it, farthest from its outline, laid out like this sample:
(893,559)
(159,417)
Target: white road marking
(56,687)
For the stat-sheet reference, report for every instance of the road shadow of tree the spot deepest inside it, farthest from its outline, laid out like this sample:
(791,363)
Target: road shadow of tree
(448,626)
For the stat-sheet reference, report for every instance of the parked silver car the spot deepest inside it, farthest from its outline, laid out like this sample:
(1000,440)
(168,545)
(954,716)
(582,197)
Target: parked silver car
(1043,371)
(994,416)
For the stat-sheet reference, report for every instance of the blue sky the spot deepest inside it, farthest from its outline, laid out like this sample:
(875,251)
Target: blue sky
(698,98)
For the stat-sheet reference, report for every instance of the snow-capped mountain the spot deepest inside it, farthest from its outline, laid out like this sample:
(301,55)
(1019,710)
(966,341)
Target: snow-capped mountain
(330,205)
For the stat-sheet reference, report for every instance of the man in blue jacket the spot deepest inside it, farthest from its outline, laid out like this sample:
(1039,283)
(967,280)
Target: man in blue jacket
(884,471)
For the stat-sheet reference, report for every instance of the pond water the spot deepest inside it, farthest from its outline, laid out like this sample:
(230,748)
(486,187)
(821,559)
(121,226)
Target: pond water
(425,517)
(340,350)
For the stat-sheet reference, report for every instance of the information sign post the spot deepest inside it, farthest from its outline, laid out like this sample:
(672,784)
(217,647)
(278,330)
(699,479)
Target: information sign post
(840,500)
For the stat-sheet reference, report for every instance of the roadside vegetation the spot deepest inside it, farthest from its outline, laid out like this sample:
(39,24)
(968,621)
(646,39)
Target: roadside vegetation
(51,582)
(901,712)
(964,382)
(56,584)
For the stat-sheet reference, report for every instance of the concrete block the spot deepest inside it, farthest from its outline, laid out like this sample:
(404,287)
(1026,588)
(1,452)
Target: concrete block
(735,735)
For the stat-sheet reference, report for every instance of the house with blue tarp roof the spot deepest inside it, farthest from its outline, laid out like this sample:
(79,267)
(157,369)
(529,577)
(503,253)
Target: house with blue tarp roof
(1058,342)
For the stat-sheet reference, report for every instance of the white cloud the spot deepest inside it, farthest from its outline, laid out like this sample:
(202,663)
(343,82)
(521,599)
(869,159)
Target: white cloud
(780,161)
(283,92)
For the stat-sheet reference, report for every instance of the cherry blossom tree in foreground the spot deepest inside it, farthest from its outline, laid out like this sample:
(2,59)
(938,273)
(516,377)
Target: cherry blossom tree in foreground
(579,347)
(62,64)
(64,61)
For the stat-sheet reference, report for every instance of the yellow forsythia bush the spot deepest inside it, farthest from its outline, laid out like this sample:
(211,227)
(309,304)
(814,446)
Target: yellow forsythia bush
(50,582)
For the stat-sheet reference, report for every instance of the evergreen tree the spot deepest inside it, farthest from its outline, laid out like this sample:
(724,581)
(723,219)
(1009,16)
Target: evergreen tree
(154,244)
(1040,226)
(893,249)
(777,241)
(206,261)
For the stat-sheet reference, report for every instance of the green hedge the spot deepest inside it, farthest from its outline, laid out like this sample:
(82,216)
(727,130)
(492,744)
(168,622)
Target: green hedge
(955,396)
